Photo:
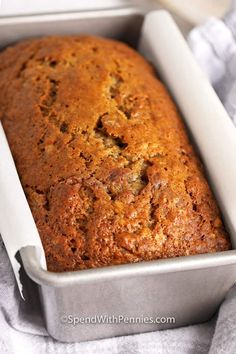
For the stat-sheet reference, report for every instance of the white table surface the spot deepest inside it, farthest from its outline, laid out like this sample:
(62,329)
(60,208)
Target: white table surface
(19,7)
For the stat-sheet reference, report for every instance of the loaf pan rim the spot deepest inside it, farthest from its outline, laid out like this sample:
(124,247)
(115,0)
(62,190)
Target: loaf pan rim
(70,15)
(31,263)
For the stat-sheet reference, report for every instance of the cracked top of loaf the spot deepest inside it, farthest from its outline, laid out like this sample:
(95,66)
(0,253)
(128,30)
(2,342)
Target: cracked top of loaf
(103,155)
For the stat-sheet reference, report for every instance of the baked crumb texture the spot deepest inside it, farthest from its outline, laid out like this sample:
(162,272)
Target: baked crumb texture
(103,155)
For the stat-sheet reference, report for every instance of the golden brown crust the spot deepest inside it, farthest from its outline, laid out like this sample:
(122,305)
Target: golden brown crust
(103,155)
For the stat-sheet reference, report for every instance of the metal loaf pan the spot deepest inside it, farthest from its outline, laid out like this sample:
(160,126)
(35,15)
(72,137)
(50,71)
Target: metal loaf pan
(190,289)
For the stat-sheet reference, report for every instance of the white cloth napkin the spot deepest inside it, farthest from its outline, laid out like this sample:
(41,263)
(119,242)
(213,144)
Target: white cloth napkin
(21,326)
(214,46)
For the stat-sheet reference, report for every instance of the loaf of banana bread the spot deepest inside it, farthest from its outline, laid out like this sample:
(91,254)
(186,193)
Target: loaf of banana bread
(103,155)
